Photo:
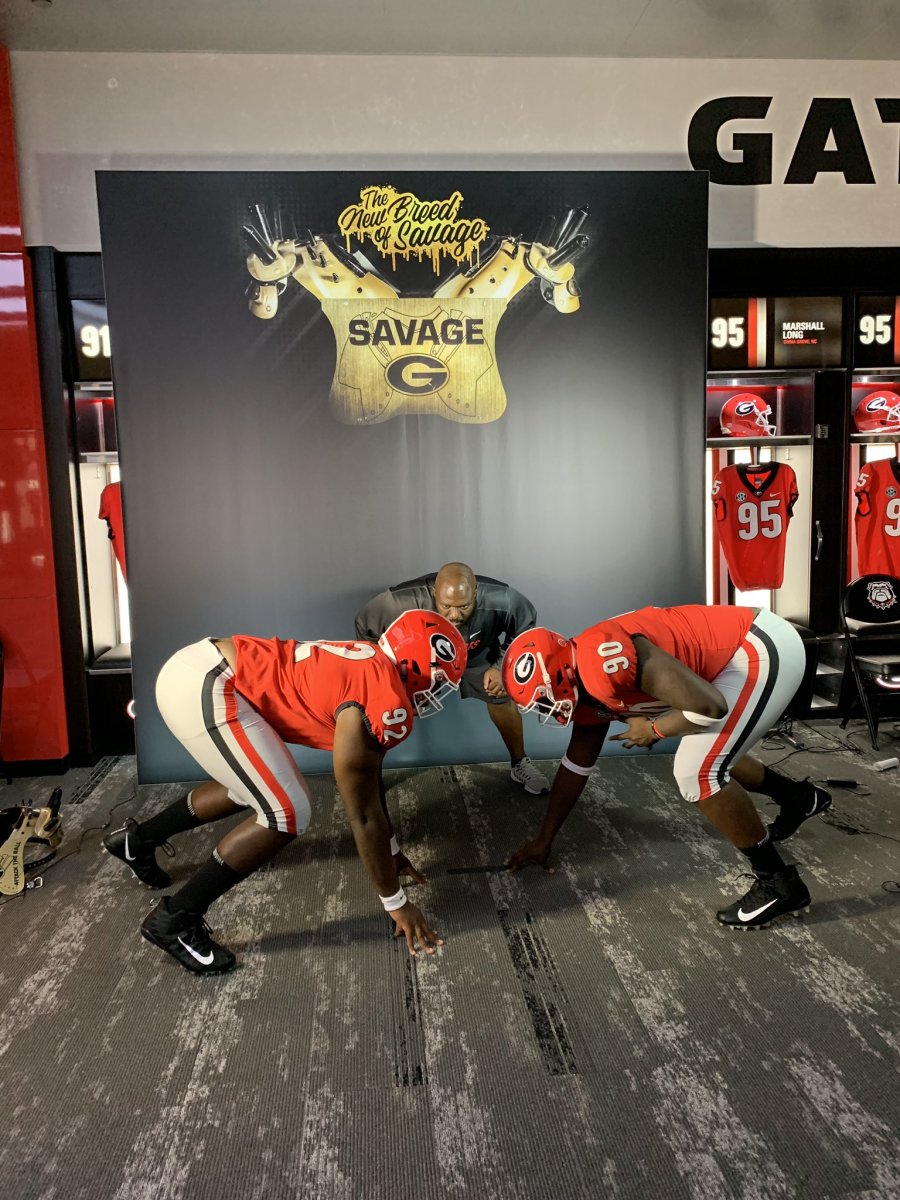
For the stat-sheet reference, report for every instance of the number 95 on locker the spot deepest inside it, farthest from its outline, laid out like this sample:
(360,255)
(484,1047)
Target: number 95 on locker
(877,340)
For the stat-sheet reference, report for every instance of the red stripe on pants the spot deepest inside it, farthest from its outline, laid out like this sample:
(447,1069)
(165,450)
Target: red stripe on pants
(259,764)
(734,719)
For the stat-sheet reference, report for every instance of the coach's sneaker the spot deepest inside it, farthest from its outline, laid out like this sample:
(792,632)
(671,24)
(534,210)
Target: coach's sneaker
(187,937)
(526,775)
(770,897)
(792,815)
(129,847)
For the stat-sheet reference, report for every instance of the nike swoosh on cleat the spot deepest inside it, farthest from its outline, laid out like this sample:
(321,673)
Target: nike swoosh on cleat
(206,959)
(128,857)
(741,914)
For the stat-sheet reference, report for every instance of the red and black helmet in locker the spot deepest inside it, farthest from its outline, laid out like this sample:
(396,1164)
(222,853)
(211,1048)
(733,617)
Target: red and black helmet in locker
(878,412)
(746,415)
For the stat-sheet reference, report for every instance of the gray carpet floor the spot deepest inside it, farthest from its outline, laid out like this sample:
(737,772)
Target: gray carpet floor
(591,1032)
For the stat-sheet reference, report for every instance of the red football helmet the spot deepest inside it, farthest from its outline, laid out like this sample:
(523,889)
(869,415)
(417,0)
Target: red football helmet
(878,412)
(539,674)
(430,654)
(745,415)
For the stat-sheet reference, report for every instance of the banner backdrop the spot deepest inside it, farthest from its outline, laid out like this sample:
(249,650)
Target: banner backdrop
(330,382)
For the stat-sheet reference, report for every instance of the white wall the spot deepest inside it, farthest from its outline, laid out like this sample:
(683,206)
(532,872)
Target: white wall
(77,113)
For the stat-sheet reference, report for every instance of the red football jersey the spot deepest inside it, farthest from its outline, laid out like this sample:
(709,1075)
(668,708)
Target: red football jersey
(703,637)
(300,687)
(753,505)
(111,513)
(878,517)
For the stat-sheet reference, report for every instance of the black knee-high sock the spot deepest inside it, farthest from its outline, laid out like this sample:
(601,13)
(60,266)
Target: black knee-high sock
(784,790)
(175,819)
(206,885)
(764,857)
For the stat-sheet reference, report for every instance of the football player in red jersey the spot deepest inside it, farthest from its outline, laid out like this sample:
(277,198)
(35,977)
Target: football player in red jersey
(234,703)
(718,677)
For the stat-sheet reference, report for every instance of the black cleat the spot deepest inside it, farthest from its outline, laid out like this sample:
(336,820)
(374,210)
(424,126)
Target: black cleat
(187,937)
(791,816)
(129,847)
(771,896)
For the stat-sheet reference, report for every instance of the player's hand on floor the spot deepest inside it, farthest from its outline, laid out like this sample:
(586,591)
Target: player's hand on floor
(533,853)
(405,867)
(412,925)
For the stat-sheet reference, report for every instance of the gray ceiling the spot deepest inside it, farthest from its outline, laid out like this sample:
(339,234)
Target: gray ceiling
(814,29)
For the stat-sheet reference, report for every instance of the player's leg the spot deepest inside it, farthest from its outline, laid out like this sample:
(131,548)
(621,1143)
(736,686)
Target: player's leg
(507,721)
(797,800)
(758,684)
(247,758)
(136,842)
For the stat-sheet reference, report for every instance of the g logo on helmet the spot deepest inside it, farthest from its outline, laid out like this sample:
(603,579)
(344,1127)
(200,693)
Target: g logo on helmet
(443,648)
(745,408)
(523,668)
(881,594)
(417,374)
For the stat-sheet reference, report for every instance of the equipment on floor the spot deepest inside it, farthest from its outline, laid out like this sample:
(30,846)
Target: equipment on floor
(20,826)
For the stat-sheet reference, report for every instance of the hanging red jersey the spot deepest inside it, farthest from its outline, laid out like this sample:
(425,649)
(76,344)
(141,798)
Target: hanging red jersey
(111,513)
(878,518)
(300,687)
(753,505)
(703,637)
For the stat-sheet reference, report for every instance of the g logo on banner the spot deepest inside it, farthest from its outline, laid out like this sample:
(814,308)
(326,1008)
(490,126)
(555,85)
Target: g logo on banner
(417,374)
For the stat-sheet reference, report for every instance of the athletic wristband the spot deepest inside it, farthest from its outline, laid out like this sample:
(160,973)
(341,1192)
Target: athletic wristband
(396,901)
(395,845)
(566,762)
(653,726)
(699,719)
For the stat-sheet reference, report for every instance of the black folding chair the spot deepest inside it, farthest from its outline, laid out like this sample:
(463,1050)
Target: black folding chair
(870,613)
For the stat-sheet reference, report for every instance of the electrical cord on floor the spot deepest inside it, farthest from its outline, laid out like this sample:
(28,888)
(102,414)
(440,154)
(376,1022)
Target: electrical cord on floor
(32,884)
(784,733)
(830,817)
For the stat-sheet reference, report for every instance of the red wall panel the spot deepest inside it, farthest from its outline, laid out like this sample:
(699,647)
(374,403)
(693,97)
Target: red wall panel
(20,397)
(34,722)
(10,220)
(33,714)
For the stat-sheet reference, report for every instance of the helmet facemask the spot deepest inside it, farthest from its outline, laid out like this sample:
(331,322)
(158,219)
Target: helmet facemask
(430,654)
(763,422)
(430,700)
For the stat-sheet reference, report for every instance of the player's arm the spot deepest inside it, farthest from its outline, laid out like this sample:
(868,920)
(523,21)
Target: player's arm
(373,619)
(585,745)
(401,862)
(357,770)
(693,702)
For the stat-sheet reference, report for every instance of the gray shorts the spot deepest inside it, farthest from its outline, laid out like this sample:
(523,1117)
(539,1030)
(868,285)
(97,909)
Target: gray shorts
(471,686)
